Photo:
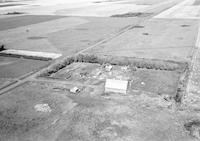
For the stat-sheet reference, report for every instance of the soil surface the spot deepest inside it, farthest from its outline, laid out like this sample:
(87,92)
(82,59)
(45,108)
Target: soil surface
(87,116)
(19,21)
(11,67)
(156,39)
(5,82)
(156,81)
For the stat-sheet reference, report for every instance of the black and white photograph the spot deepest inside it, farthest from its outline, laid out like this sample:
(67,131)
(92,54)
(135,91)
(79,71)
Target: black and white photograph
(99,70)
